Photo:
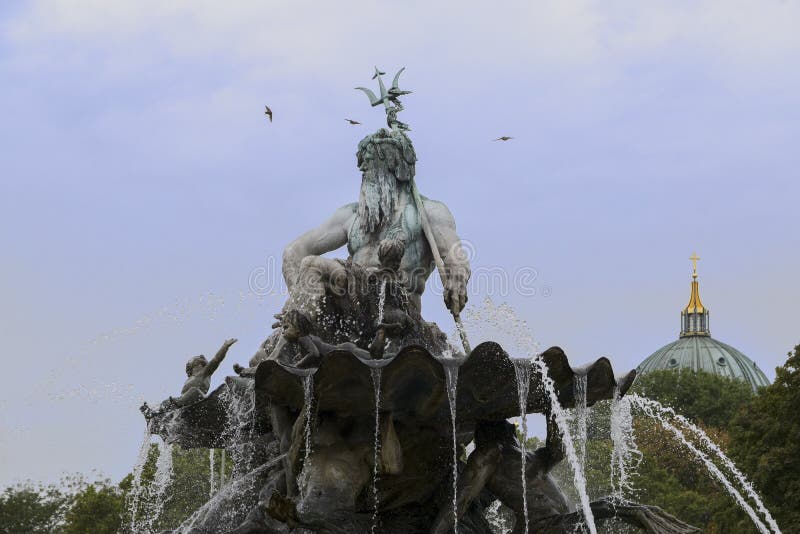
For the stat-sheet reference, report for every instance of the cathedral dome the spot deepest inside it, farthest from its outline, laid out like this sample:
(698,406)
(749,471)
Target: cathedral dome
(707,354)
(697,350)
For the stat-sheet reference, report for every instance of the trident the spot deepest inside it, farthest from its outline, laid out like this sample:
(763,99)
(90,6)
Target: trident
(390,99)
(392,105)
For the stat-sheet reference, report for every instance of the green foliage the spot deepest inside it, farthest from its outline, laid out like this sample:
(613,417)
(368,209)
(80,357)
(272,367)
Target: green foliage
(75,506)
(32,509)
(765,441)
(97,509)
(703,397)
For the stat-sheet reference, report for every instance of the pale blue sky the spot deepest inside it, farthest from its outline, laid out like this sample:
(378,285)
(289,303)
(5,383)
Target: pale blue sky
(140,185)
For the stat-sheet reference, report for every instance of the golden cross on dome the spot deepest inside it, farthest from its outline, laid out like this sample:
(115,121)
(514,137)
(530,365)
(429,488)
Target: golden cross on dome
(694,259)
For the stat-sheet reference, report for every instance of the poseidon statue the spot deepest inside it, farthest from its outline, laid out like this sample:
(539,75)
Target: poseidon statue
(385,216)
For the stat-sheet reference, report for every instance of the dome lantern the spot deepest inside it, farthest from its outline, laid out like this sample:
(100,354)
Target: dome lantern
(694,317)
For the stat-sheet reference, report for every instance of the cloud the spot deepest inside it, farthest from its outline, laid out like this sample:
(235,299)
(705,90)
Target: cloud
(304,38)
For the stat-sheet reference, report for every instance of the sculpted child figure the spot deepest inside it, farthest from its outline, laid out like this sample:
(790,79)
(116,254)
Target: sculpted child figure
(198,371)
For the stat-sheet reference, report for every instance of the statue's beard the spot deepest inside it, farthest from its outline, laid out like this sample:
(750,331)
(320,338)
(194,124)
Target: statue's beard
(376,201)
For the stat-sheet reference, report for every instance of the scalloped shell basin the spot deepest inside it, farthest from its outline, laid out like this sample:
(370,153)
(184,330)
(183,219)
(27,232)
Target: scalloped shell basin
(413,384)
(413,390)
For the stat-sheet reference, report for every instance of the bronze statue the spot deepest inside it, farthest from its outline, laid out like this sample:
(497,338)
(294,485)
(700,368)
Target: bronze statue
(198,371)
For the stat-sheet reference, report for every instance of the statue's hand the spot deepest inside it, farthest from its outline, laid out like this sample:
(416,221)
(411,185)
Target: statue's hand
(455,291)
(229,342)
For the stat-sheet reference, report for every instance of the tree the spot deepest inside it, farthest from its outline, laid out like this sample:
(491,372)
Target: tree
(765,440)
(32,509)
(703,397)
(73,506)
(96,509)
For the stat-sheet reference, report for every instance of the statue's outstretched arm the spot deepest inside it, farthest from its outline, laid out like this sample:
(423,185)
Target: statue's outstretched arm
(218,357)
(455,259)
(329,236)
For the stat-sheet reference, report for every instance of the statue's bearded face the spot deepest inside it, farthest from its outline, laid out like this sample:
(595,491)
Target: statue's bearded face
(385,158)
(378,192)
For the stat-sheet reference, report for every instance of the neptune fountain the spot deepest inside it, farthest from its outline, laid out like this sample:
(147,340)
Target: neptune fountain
(357,415)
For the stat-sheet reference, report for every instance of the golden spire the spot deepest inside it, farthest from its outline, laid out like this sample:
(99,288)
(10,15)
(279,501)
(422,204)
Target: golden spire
(695,305)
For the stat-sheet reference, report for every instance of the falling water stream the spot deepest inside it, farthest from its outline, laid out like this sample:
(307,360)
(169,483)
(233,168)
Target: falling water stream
(663,415)
(211,473)
(222,460)
(624,447)
(308,398)
(581,412)
(496,520)
(162,479)
(376,385)
(136,486)
(522,370)
(562,422)
(151,496)
(451,378)
(381,300)
(239,402)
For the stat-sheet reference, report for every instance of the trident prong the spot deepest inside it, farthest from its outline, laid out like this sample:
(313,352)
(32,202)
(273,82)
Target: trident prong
(394,90)
(373,100)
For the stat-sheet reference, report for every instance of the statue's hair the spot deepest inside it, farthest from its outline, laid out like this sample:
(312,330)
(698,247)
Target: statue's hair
(394,149)
(194,361)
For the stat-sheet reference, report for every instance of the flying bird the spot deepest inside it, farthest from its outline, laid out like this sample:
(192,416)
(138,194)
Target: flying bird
(504,138)
(268,113)
(351,121)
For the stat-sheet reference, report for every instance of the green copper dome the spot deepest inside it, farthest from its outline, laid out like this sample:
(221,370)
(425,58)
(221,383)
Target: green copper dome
(697,350)
(707,354)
